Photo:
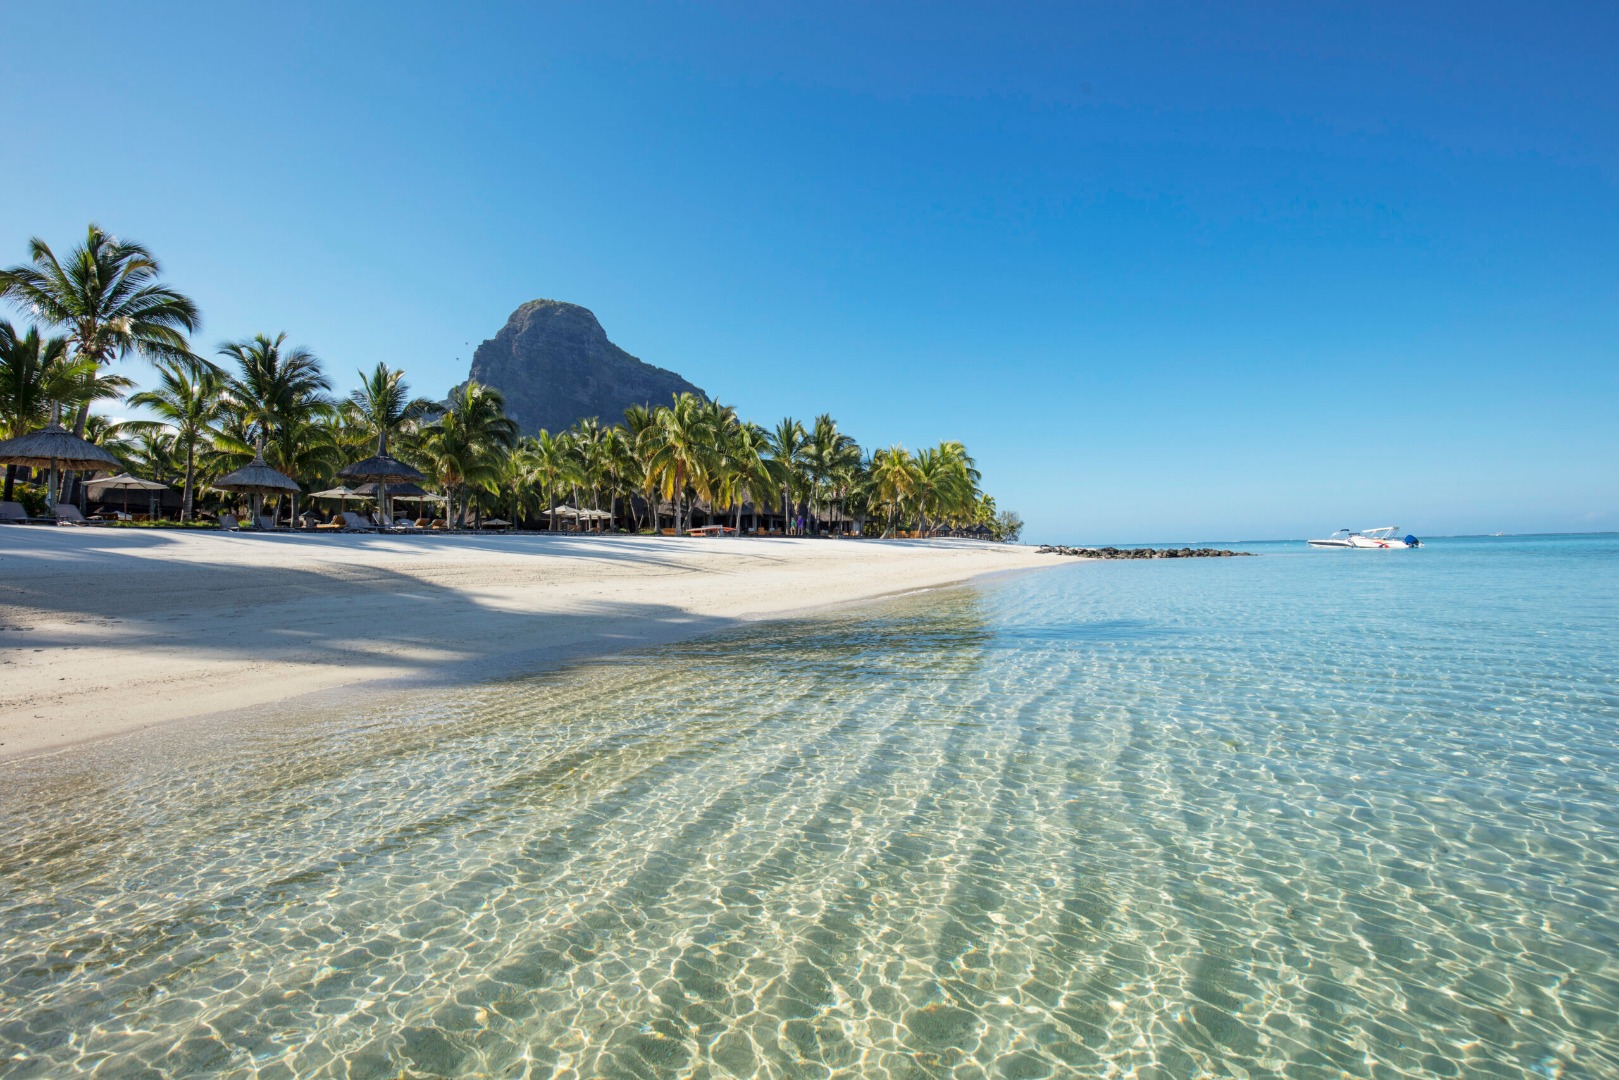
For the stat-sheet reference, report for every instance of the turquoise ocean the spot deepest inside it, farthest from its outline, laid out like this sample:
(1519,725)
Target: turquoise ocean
(1316,814)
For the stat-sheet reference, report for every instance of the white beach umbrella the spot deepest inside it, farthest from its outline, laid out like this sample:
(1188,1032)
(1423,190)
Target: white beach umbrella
(125,483)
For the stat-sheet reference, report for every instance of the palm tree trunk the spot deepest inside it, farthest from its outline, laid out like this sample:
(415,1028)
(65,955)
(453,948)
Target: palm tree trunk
(11,481)
(186,495)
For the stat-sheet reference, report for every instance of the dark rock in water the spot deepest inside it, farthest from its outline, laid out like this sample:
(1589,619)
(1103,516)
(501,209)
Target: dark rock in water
(554,365)
(1140,553)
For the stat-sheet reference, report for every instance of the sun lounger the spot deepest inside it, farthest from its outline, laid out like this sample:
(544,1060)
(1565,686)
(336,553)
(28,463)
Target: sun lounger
(68,514)
(353,522)
(228,522)
(14,513)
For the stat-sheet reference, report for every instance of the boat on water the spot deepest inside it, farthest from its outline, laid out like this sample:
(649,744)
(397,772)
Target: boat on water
(1385,539)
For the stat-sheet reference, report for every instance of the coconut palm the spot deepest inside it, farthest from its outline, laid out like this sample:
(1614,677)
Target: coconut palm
(383,405)
(552,466)
(518,480)
(35,374)
(273,382)
(189,402)
(618,465)
(588,439)
(303,445)
(679,450)
(830,459)
(788,449)
(892,476)
(107,296)
(469,443)
(152,452)
(746,473)
(638,420)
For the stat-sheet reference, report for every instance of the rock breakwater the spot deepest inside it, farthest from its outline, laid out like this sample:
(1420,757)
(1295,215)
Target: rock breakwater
(1140,553)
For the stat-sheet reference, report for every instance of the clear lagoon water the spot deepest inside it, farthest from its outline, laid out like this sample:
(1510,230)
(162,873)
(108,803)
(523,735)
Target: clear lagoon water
(1319,814)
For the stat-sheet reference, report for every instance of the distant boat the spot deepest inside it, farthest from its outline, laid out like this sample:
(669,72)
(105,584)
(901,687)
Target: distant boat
(1383,539)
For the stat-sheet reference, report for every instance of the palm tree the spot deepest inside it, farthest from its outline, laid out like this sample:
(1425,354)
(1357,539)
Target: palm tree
(747,473)
(552,466)
(273,382)
(468,444)
(279,394)
(589,441)
(35,374)
(383,407)
(190,402)
(679,448)
(638,420)
(617,464)
(788,446)
(519,480)
(304,445)
(929,485)
(892,476)
(107,297)
(383,404)
(831,457)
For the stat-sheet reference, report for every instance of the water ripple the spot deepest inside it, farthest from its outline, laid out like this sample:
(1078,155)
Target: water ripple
(1295,817)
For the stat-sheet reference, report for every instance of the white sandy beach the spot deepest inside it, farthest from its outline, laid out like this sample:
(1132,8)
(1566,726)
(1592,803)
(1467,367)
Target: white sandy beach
(107,631)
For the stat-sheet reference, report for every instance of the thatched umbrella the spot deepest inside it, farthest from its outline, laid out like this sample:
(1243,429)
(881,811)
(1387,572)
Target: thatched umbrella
(258,480)
(53,447)
(125,483)
(383,470)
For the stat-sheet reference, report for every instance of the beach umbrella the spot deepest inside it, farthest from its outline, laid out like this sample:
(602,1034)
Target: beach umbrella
(125,483)
(258,480)
(53,447)
(383,469)
(340,492)
(395,491)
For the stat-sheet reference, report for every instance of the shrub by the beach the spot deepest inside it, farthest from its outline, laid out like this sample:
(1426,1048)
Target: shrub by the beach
(32,497)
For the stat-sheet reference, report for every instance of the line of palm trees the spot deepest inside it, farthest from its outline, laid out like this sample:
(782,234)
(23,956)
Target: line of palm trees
(261,395)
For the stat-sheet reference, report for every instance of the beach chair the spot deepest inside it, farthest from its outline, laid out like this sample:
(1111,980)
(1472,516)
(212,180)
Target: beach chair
(14,513)
(353,522)
(68,514)
(267,523)
(227,522)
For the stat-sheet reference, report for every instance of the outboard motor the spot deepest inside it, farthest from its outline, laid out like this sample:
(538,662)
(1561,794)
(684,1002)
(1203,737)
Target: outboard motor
(1412,541)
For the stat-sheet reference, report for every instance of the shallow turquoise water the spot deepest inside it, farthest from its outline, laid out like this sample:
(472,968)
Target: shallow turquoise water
(1318,814)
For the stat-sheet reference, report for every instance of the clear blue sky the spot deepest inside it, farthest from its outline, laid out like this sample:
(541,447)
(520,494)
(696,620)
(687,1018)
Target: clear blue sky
(1172,271)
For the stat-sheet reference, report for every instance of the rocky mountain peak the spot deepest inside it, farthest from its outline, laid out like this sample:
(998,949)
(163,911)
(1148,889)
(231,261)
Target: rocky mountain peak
(555,365)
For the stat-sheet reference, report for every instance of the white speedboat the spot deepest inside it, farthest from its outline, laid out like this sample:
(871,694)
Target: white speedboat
(1385,539)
